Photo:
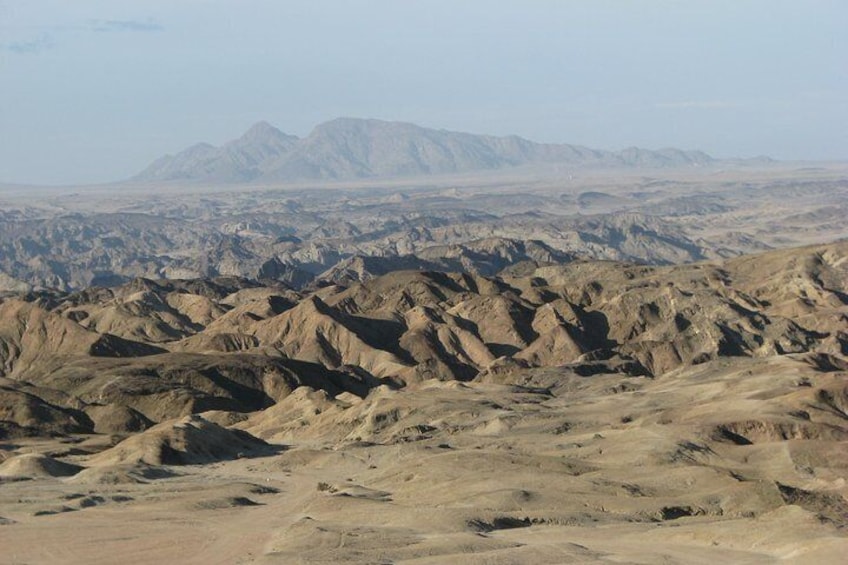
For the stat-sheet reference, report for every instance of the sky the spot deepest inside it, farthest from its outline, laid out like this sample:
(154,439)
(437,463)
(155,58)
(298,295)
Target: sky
(92,91)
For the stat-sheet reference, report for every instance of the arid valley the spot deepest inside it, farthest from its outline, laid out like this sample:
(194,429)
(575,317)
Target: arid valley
(539,363)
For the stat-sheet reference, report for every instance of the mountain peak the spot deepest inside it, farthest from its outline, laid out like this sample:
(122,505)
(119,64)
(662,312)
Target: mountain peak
(263,130)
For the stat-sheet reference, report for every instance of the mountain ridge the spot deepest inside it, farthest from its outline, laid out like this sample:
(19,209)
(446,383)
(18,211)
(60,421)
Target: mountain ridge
(354,148)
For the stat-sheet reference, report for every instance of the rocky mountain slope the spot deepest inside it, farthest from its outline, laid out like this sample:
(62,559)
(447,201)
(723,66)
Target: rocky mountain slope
(243,159)
(348,148)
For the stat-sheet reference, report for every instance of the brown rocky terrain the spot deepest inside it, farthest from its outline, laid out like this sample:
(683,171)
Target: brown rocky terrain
(556,410)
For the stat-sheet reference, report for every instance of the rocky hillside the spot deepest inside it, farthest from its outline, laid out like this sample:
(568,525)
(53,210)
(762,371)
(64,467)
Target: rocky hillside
(153,350)
(582,412)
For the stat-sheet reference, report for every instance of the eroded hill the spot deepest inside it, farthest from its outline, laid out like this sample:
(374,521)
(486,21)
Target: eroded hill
(586,411)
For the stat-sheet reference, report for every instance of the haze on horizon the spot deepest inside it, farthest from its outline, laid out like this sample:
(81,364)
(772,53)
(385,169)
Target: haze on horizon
(93,91)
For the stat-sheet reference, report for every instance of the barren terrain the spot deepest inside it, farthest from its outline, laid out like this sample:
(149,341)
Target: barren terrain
(338,337)
(478,223)
(583,411)
(535,365)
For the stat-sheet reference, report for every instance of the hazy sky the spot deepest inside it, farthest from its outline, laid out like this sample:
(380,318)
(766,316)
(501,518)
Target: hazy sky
(92,91)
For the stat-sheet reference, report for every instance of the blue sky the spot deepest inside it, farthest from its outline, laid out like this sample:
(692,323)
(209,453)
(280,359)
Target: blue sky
(91,91)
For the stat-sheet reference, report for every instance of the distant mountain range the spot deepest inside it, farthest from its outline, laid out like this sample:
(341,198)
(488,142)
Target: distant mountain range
(347,148)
